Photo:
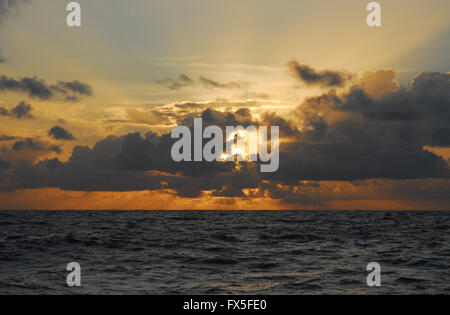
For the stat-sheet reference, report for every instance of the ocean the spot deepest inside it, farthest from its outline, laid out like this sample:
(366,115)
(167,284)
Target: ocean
(221,252)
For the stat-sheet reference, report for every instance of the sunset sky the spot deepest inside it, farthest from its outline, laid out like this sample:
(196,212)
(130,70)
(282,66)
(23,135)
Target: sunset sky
(86,113)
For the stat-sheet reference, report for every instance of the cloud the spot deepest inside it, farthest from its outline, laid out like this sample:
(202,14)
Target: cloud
(37,88)
(373,131)
(27,150)
(325,79)
(59,133)
(21,111)
(72,89)
(287,129)
(34,145)
(184,81)
(133,162)
(417,116)
(4,165)
(34,87)
(372,194)
(354,135)
(7,138)
(378,83)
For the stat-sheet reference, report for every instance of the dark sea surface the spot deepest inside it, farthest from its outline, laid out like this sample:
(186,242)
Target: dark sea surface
(219,252)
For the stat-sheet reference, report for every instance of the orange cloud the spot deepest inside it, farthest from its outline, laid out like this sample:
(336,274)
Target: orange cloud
(379,83)
(324,195)
(56,199)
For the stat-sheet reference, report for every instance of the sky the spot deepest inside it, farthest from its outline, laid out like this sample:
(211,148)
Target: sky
(86,112)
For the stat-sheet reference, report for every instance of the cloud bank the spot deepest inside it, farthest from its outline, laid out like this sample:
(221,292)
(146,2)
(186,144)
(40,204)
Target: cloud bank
(374,130)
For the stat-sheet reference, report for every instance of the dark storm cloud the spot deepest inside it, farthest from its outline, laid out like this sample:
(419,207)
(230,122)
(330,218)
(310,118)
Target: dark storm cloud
(319,194)
(7,138)
(117,164)
(418,116)
(375,137)
(287,129)
(59,133)
(37,88)
(34,145)
(358,160)
(126,163)
(326,78)
(344,137)
(184,81)
(4,165)
(21,111)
